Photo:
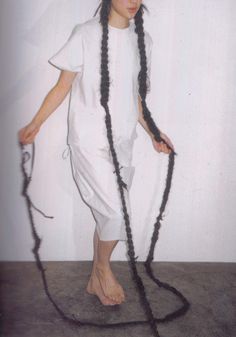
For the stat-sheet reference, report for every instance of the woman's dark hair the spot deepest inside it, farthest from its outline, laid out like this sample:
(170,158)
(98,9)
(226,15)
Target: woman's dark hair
(105,7)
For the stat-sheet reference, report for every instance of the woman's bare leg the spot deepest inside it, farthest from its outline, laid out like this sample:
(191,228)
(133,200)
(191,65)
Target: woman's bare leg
(94,286)
(102,281)
(110,285)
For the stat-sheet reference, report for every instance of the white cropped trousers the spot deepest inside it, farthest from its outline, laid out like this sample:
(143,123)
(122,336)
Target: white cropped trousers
(94,173)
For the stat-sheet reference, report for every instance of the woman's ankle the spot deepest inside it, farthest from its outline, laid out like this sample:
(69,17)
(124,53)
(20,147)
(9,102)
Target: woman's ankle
(102,266)
(98,266)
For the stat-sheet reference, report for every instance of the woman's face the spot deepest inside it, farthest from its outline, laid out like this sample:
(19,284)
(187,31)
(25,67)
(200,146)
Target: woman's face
(126,8)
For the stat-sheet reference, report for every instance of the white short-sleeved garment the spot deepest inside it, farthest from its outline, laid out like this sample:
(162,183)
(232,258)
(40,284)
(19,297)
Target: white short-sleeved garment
(91,159)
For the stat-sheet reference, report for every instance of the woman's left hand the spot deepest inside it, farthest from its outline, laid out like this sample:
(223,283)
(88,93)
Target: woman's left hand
(161,146)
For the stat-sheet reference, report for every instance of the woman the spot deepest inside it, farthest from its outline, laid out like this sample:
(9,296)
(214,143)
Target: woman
(100,64)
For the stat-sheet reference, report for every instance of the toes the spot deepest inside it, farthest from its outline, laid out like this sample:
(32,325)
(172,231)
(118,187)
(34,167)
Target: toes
(107,301)
(115,298)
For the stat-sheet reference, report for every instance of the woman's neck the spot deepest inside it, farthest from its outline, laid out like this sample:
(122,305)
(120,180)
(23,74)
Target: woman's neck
(117,21)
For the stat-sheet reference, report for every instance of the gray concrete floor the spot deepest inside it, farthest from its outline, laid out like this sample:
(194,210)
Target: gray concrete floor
(27,312)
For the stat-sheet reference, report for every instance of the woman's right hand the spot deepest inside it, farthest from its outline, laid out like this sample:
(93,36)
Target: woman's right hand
(27,134)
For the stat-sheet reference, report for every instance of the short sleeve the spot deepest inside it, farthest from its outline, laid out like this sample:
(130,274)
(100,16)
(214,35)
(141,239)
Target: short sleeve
(149,44)
(70,55)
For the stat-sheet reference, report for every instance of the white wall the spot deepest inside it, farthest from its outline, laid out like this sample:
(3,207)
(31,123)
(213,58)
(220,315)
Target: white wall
(192,100)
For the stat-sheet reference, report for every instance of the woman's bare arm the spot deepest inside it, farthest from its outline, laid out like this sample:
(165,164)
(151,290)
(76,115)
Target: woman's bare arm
(50,103)
(55,97)
(159,146)
(141,119)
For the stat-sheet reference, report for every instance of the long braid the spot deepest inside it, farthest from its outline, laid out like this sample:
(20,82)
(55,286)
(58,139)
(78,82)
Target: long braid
(142,79)
(142,76)
(104,88)
(105,6)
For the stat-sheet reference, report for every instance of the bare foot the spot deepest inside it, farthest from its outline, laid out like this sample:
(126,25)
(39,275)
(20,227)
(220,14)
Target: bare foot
(94,288)
(110,286)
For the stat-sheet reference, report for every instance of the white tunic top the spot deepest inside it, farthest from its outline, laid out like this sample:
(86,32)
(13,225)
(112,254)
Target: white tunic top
(92,163)
(82,53)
